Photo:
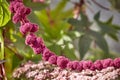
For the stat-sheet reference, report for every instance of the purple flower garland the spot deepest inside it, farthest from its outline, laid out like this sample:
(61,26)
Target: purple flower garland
(37,44)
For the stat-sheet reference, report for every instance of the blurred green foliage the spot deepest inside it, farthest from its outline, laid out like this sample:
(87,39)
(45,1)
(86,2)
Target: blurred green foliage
(59,30)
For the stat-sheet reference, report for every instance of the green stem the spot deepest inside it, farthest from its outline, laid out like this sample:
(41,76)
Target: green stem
(1,45)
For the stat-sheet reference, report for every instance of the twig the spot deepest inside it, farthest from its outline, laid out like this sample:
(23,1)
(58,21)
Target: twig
(3,71)
(87,5)
(100,5)
(18,55)
(51,21)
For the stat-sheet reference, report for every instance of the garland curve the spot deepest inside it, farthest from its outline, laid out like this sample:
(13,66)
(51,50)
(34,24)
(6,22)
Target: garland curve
(28,29)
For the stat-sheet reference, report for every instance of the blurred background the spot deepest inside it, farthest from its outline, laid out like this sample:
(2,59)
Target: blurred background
(105,15)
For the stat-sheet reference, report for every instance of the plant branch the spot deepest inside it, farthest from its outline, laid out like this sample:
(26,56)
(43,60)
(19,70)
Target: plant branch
(17,54)
(100,5)
(51,21)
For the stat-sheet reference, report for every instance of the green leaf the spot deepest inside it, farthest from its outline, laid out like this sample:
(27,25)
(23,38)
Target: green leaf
(84,44)
(101,42)
(5,14)
(74,22)
(110,20)
(81,24)
(107,27)
(84,20)
(114,36)
(97,16)
(15,61)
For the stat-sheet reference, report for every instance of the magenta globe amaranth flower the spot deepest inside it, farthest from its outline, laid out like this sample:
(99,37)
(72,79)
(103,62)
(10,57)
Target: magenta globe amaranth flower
(92,67)
(70,65)
(15,5)
(62,62)
(30,39)
(52,59)
(98,65)
(19,10)
(28,27)
(34,27)
(87,64)
(74,65)
(107,63)
(117,62)
(47,54)
(38,46)
(25,28)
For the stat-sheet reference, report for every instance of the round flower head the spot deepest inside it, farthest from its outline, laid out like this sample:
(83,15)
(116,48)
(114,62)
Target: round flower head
(14,6)
(80,67)
(21,14)
(53,59)
(70,65)
(92,67)
(38,46)
(98,65)
(107,63)
(28,27)
(74,65)
(37,50)
(30,39)
(87,64)
(34,28)
(16,18)
(47,54)
(25,28)
(62,62)
(117,62)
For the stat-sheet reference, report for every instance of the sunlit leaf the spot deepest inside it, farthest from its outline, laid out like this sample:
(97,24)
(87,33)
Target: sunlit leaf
(4,13)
